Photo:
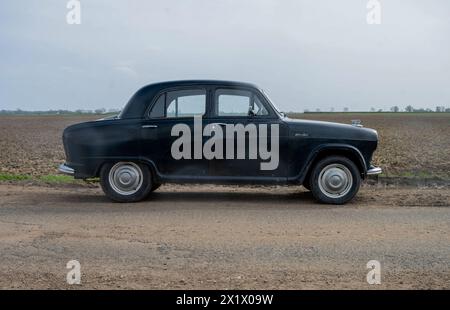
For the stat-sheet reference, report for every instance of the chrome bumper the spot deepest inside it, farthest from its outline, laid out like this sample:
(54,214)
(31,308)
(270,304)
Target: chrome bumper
(374,170)
(66,169)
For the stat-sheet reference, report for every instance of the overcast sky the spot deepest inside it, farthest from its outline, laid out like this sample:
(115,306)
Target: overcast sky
(305,54)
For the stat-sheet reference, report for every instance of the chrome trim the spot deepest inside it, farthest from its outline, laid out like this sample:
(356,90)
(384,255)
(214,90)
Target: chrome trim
(374,170)
(66,169)
(356,123)
(125,178)
(218,124)
(335,181)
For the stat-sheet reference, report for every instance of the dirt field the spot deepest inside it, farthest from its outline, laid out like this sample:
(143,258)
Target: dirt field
(410,144)
(207,237)
(32,145)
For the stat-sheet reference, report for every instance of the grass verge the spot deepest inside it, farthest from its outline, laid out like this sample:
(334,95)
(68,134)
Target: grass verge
(48,179)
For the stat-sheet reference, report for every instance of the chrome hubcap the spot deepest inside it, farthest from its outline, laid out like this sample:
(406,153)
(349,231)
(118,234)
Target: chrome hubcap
(335,181)
(125,178)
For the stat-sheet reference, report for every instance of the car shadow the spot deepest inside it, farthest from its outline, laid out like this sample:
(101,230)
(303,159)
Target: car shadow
(196,197)
(231,197)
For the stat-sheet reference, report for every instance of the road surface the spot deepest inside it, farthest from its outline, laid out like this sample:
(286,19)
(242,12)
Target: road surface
(223,237)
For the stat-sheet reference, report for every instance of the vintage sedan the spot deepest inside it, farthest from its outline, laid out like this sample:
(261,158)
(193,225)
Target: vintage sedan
(204,131)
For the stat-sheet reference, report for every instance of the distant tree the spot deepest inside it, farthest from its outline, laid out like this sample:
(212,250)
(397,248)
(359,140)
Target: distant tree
(332,109)
(395,109)
(440,109)
(317,110)
(345,109)
(305,111)
(380,110)
(372,109)
(409,108)
(447,110)
(100,111)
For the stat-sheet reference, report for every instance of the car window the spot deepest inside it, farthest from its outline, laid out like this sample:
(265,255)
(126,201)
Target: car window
(158,110)
(233,102)
(180,103)
(258,107)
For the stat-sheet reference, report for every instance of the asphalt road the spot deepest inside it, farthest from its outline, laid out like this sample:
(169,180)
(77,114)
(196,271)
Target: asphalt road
(205,237)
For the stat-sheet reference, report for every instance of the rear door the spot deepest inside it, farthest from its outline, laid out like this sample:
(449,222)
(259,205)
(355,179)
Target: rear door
(173,113)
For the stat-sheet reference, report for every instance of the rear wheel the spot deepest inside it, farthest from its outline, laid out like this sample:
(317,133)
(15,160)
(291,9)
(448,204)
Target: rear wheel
(126,181)
(155,186)
(335,180)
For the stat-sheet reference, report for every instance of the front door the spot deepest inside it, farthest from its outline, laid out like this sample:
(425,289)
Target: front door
(254,138)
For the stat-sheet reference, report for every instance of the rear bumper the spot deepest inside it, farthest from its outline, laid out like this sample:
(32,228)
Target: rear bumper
(63,168)
(374,170)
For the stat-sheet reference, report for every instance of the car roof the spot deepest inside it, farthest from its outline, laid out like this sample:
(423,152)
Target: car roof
(175,83)
(139,101)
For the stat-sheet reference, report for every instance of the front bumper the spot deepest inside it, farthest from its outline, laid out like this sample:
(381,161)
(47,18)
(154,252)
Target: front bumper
(374,170)
(63,168)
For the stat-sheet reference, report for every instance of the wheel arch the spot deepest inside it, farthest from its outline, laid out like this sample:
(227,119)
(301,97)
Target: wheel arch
(344,150)
(149,163)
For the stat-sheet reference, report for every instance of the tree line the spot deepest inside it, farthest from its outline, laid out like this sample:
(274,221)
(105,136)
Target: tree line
(409,108)
(59,112)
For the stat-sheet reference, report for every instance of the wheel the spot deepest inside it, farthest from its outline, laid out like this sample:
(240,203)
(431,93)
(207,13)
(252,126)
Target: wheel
(126,181)
(335,180)
(306,184)
(155,186)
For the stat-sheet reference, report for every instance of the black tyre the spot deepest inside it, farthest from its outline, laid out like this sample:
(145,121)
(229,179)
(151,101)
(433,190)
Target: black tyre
(335,180)
(155,186)
(126,181)
(306,184)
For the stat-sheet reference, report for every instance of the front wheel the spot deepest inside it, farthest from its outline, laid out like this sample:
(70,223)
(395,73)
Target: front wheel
(126,181)
(335,180)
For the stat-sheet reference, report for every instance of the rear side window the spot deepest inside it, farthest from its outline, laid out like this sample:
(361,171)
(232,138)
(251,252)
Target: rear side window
(180,103)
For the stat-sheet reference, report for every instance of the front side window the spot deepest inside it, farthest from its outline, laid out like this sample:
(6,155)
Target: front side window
(180,103)
(233,102)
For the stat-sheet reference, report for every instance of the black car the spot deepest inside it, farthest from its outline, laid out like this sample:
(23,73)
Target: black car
(204,131)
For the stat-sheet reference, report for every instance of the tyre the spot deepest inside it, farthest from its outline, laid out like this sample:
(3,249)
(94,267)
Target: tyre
(155,186)
(126,181)
(335,180)
(306,184)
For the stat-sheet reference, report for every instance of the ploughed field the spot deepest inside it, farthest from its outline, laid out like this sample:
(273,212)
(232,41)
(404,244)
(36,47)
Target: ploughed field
(411,144)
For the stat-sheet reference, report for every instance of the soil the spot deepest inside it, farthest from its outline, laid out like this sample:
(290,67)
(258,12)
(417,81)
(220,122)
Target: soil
(224,237)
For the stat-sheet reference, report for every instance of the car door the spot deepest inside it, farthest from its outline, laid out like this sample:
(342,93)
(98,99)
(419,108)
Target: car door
(241,112)
(171,118)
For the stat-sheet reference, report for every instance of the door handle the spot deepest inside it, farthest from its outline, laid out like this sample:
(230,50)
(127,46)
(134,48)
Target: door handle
(149,126)
(218,124)
(302,134)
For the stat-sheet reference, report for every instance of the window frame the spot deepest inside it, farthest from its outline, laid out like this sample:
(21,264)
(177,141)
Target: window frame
(173,89)
(254,93)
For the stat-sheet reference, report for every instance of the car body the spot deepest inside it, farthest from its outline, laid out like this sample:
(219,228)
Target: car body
(135,149)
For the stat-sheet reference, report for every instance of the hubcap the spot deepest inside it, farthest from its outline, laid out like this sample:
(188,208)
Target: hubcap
(335,181)
(125,178)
